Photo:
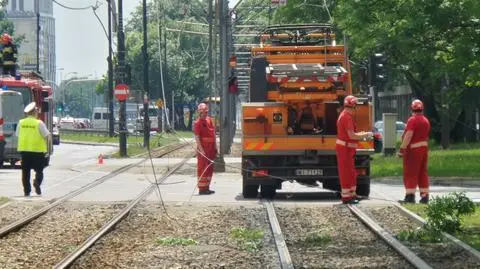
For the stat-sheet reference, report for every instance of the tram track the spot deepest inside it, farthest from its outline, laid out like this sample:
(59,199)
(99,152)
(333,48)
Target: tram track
(14,226)
(357,236)
(67,225)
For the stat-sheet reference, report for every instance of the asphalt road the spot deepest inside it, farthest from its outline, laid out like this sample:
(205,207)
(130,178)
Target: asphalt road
(73,166)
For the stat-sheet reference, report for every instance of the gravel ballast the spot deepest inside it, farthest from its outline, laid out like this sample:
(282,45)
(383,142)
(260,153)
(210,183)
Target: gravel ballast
(47,240)
(134,243)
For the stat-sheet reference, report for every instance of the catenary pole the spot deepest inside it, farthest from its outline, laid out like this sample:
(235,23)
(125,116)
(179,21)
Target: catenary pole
(146,118)
(110,73)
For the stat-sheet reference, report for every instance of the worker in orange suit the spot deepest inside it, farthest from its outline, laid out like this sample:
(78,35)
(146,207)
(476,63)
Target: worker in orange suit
(204,130)
(414,150)
(346,147)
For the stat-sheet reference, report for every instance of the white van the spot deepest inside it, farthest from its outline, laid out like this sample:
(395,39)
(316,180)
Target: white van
(11,110)
(100,118)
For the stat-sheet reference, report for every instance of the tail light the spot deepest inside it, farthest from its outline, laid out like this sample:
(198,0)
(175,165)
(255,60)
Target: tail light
(259,173)
(377,136)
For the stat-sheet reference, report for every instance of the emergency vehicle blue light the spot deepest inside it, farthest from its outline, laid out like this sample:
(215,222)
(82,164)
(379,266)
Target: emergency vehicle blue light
(18,76)
(5,87)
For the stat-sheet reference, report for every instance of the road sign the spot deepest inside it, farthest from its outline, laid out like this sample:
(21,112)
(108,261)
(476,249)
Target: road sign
(122,92)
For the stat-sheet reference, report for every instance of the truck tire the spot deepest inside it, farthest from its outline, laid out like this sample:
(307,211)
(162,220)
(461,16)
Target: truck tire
(363,189)
(249,191)
(258,80)
(268,191)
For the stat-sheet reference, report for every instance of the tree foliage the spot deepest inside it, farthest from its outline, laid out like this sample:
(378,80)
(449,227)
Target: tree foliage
(430,44)
(185,69)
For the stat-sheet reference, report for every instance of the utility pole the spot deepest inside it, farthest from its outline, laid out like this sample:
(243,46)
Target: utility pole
(121,79)
(210,49)
(110,73)
(37,9)
(223,63)
(146,118)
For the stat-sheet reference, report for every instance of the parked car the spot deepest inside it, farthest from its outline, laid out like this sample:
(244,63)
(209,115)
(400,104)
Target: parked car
(378,133)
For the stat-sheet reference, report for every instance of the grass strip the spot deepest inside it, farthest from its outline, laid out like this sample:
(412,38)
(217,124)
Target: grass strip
(441,163)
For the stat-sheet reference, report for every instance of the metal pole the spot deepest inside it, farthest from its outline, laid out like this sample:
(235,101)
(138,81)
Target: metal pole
(445,131)
(111,118)
(210,49)
(146,118)
(223,64)
(121,79)
(37,7)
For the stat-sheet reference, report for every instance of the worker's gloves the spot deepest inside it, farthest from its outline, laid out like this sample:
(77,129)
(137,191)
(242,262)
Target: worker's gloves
(401,153)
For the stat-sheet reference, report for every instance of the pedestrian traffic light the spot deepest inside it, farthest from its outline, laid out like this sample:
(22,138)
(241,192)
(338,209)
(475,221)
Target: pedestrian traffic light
(378,70)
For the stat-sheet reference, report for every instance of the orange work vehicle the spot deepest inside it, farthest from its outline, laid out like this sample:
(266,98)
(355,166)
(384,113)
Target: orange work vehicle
(298,80)
(32,88)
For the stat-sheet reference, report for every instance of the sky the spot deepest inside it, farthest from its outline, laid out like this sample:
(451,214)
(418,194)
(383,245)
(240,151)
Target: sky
(81,43)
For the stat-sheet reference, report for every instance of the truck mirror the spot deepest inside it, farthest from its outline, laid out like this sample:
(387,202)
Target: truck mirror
(45,106)
(44,94)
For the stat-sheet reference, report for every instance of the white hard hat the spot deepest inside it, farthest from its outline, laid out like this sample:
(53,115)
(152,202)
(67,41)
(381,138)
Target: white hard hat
(30,107)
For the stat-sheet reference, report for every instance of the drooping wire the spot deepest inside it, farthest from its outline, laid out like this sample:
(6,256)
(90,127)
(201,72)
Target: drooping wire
(73,8)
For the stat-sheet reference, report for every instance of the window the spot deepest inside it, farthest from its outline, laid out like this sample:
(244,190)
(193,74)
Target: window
(26,94)
(21,5)
(97,116)
(105,116)
(400,126)
(14,5)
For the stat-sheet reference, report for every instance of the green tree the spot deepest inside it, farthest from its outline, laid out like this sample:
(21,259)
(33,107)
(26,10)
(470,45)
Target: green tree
(185,65)
(426,43)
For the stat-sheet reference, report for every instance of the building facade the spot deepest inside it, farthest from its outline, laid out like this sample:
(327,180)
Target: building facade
(23,14)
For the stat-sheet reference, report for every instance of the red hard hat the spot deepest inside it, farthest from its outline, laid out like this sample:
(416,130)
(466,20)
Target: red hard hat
(350,101)
(202,107)
(6,38)
(417,105)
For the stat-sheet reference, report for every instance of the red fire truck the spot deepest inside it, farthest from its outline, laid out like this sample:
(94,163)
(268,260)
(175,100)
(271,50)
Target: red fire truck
(32,88)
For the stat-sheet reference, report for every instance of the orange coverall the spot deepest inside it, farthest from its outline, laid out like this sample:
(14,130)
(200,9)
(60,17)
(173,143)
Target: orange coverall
(346,149)
(205,130)
(415,156)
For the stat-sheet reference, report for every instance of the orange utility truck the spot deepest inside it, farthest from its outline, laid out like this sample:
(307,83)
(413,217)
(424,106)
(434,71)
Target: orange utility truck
(299,77)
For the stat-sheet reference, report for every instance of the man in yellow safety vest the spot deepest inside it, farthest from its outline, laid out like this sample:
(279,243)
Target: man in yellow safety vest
(33,137)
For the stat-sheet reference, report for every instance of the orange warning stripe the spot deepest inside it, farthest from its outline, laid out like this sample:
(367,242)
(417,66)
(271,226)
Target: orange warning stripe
(365,144)
(259,146)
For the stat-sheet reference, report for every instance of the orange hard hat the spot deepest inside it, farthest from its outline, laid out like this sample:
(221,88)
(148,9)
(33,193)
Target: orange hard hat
(417,105)
(350,101)
(6,38)
(202,107)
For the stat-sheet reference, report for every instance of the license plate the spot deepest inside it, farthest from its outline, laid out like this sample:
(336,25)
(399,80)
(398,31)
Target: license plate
(309,172)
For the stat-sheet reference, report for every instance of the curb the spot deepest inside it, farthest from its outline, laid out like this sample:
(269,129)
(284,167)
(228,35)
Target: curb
(437,181)
(88,143)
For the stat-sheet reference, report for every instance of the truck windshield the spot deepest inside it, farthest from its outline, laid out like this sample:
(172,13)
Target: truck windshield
(12,106)
(26,94)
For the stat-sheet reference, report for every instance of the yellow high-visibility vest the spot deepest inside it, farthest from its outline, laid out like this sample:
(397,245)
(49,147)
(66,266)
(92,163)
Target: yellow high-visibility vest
(29,137)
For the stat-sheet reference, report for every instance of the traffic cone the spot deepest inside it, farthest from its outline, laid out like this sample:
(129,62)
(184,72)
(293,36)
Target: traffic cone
(100,159)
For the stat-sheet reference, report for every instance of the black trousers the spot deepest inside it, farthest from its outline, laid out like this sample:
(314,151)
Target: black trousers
(35,161)
(9,70)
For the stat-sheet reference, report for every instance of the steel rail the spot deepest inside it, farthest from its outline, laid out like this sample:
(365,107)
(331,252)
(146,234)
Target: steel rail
(15,226)
(387,237)
(282,249)
(72,257)
(475,253)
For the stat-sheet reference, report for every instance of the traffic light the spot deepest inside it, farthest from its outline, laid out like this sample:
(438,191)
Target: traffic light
(378,70)
(60,107)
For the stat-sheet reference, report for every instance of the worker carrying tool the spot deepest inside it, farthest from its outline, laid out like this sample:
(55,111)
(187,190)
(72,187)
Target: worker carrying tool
(204,130)
(346,147)
(8,55)
(414,150)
